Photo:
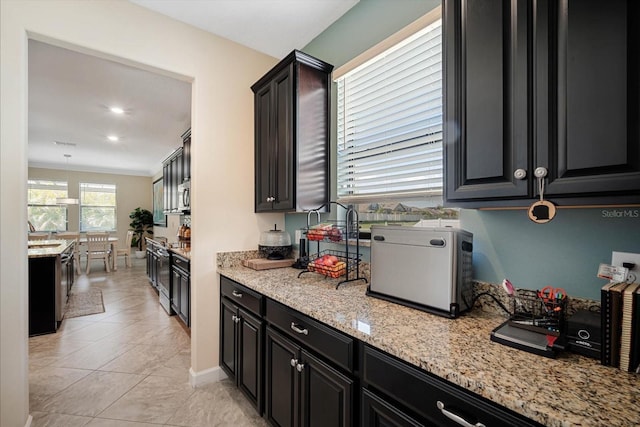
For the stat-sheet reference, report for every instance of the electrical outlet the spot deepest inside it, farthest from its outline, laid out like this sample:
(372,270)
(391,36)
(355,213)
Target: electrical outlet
(618,258)
(298,235)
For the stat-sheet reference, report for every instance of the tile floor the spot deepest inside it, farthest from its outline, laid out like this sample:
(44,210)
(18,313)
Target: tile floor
(128,366)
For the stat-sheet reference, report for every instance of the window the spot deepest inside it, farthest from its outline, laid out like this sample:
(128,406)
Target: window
(97,207)
(42,210)
(389,130)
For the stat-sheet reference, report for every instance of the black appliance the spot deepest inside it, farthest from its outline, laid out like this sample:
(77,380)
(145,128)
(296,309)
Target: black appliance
(583,333)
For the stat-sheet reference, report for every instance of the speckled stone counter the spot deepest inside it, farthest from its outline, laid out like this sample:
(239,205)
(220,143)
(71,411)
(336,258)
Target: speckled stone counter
(47,248)
(571,390)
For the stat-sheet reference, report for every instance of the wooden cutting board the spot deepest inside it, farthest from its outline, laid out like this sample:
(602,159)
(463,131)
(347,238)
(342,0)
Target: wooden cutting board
(265,264)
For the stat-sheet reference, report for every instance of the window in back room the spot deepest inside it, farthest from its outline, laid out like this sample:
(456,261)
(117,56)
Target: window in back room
(97,207)
(43,212)
(389,130)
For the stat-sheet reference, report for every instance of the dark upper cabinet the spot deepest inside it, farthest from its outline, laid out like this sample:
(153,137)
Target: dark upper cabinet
(186,155)
(292,103)
(171,177)
(175,170)
(550,84)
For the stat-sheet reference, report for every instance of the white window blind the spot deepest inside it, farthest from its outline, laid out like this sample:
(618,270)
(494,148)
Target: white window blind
(97,207)
(390,123)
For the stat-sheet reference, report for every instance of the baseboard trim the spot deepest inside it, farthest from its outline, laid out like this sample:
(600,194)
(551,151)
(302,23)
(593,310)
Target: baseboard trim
(206,376)
(29,420)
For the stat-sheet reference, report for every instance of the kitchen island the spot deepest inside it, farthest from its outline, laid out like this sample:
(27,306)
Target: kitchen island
(571,390)
(51,275)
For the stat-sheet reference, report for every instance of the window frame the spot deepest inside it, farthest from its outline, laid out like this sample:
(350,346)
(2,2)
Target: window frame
(425,193)
(31,183)
(82,205)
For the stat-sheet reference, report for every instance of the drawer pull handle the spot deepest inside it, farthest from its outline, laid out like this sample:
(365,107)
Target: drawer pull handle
(294,362)
(236,294)
(300,367)
(457,418)
(297,329)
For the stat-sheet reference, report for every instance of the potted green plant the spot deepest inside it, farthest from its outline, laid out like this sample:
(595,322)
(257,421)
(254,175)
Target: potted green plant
(141,224)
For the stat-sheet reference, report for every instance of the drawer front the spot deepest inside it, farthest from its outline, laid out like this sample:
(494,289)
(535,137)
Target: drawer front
(331,344)
(182,263)
(242,296)
(434,399)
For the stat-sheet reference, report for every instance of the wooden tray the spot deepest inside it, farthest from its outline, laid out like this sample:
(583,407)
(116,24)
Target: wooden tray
(265,264)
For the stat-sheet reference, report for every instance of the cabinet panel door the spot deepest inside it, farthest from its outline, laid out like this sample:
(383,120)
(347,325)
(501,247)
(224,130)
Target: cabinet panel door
(250,358)
(486,92)
(176,285)
(327,395)
(284,139)
(378,413)
(282,385)
(228,338)
(588,92)
(263,147)
(185,299)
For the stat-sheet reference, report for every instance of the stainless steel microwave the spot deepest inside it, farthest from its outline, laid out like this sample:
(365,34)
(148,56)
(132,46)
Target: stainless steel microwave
(184,196)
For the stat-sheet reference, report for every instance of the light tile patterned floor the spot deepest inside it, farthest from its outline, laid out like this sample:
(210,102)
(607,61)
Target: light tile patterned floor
(126,367)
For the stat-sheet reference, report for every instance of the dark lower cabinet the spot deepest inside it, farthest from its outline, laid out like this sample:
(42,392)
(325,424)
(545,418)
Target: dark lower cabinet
(181,288)
(242,339)
(152,264)
(44,286)
(376,412)
(406,394)
(302,390)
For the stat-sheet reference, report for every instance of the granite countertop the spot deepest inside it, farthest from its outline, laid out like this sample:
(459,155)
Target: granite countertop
(181,248)
(184,251)
(47,248)
(571,390)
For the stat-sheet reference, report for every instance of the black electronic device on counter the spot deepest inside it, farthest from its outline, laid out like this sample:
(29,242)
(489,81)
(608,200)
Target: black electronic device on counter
(584,333)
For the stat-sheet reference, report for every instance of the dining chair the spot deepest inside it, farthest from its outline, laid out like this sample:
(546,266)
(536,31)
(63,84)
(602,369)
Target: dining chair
(126,252)
(98,247)
(72,235)
(38,236)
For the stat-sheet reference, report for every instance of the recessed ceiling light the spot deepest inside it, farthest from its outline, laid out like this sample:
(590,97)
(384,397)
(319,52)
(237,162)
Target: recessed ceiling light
(117,110)
(112,138)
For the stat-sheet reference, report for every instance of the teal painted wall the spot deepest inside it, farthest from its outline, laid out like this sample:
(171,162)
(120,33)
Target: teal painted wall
(365,25)
(565,252)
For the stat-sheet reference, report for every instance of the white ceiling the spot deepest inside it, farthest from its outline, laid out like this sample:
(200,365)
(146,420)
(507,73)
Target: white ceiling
(274,27)
(70,93)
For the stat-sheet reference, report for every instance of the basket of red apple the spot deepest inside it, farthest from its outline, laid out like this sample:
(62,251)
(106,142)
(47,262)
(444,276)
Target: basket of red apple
(328,264)
(331,232)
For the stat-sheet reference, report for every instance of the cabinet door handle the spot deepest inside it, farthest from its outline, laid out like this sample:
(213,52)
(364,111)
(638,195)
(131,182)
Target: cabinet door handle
(456,418)
(520,173)
(298,330)
(294,362)
(236,294)
(235,318)
(300,367)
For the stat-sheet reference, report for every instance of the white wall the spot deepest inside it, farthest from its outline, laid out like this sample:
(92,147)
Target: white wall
(222,154)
